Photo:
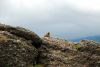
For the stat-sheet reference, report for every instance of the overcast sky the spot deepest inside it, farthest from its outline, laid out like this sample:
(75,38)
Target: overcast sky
(63,18)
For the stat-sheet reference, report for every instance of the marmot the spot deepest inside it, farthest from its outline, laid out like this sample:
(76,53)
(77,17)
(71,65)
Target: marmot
(47,34)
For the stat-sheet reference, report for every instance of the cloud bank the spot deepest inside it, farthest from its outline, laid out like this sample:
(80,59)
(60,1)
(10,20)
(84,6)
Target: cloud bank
(63,18)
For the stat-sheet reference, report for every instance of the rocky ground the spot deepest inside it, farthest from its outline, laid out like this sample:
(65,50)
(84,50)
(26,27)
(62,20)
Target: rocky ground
(20,47)
(60,53)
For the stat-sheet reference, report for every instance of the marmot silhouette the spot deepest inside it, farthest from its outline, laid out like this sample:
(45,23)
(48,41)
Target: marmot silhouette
(47,34)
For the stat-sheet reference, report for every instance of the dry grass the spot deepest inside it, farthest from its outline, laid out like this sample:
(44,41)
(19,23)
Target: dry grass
(3,38)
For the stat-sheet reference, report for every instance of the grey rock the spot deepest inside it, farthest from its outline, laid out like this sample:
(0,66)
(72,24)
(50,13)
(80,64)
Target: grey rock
(54,53)
(15,51)
(18,46)
(23,33)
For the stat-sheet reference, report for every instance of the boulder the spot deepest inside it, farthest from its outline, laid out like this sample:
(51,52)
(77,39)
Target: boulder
(18,46)
(15,51)
(23,33)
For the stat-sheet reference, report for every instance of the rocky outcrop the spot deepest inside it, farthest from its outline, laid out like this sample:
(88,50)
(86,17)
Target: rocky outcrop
(60,53)
(23,33)
(18,46)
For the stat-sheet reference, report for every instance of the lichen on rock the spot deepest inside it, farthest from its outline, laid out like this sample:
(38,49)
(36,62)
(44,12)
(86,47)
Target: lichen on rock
(56,52)
(23,33)
(20,47)
(17,46)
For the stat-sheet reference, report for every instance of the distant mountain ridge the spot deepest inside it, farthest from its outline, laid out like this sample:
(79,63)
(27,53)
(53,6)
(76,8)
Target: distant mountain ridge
(95,38)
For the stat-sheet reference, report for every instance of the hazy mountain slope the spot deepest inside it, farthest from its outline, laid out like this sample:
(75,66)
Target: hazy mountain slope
(95,38)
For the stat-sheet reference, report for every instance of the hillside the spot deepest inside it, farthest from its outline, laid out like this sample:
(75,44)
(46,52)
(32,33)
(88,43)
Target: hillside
(95,38)
(20,47)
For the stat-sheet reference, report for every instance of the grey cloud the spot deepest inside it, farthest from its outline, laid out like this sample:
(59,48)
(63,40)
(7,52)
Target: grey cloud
(57,17)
